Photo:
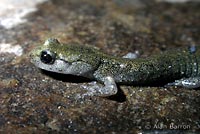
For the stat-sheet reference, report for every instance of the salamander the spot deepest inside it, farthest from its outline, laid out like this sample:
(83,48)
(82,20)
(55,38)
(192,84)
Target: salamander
(181,66)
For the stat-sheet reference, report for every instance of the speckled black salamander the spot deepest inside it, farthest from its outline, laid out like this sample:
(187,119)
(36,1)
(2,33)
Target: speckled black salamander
(182,65)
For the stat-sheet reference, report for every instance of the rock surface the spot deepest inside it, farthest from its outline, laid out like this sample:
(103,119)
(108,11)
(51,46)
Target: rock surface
(35,101)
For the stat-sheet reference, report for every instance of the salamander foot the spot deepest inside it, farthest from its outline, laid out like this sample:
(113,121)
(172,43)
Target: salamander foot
(94,89)
(193,82)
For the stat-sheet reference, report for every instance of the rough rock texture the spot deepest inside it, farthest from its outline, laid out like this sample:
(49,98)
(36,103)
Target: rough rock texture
(34,101)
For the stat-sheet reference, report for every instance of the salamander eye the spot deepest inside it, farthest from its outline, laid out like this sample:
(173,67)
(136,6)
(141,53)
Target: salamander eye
(47,57)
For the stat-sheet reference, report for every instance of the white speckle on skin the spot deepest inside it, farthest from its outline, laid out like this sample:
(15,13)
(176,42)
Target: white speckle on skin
(131,55)
(169,66)
(12,12)
(8,48)
(46,43)
(122,65)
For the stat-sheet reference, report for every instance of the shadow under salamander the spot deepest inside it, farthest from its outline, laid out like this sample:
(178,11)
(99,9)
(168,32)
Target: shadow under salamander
(119,97)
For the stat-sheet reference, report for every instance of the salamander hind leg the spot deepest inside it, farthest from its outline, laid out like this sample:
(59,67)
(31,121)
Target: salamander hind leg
(193,82)
(109,88)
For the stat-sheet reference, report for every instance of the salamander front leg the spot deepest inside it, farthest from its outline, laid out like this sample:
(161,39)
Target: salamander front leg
(193,82)
(109,88)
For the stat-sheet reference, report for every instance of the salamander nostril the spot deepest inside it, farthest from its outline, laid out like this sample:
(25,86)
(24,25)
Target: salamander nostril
(47,57)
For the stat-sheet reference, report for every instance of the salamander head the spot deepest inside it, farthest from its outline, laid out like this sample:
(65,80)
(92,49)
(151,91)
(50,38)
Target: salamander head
(63,58)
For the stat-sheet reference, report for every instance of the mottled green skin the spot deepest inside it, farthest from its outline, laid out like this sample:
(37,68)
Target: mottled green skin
(168,66)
